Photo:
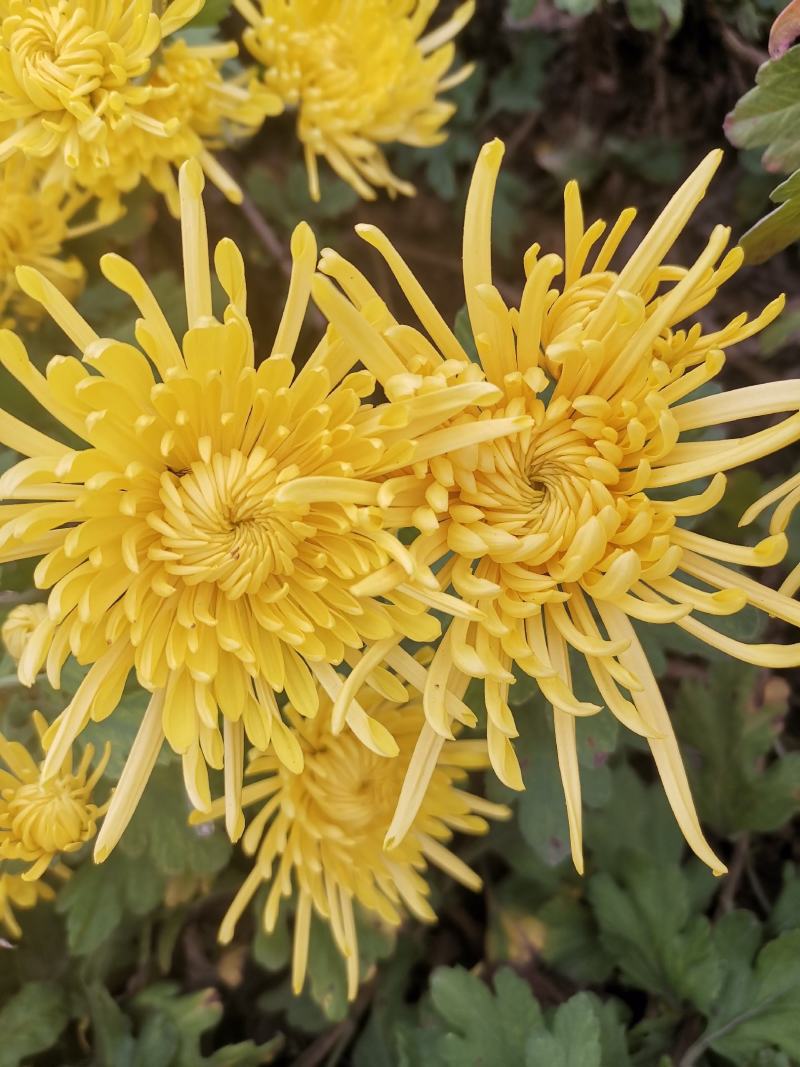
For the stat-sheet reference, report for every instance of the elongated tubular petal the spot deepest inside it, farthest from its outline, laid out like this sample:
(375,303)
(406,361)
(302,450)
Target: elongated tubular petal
(196,265)
(710,457)
(699,504)
(38,288)
(748,402)
(567,750)
(420,771)
(413,671)
(765,554)
(760,596)
(461,436)
(665,749)
(135,775)
(358,334)
(233,733)
(448,30)
(126,277)
(423,306)
(304,260)
(25,440)
(370,659)
(302,930)
(477,248)
(660,238)
(778,493)
(314,490)
(446,861)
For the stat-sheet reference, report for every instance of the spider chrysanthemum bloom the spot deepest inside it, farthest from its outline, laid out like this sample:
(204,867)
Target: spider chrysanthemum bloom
(41,819)
(361,74)
(19,625)
(210,532)
(35,222)
(90,88)
(318,836)
(565,532)
(16,893)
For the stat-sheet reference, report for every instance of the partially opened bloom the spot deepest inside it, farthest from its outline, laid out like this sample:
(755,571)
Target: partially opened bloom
(95,91)
(568,530)
(43,818)
(16,893)
(318,836)
(35,223)
(19,625)
(361,74)
(210,532)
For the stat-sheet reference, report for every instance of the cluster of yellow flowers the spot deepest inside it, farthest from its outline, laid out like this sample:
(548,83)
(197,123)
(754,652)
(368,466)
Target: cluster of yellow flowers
(228,532)
(97,96)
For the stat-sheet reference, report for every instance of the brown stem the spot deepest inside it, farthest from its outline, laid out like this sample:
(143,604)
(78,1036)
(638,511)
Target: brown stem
(738,865)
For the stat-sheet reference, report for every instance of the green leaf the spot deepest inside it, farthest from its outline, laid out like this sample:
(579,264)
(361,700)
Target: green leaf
(758,1007)
(212,13)
(574,1040)
(112,1038)
(517,89)
(647,926)
(785,914)
(769,114)
(183,1020)
(570,941)
(97,898)
(732,728)
(647,15)
(778,229)
(482,1028)
(578,7)
(521,9)
(650,827)
(32,1021)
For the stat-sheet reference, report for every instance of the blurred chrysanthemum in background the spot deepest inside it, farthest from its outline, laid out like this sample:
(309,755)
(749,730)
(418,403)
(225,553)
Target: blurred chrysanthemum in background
(318,836)
(565,532)
(16,893)
(212,530)
(35,222)
(101,94)
(41,819)
(361,74)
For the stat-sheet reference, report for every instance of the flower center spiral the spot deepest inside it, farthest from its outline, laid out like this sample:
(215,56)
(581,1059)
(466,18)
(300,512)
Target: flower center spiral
(349,791)
(58,55)
(221,525)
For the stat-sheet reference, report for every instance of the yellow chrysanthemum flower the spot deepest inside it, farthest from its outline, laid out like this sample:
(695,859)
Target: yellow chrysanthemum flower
(15,892)
(319,834)
(361,74)
(34,225)
(42,818)
(562,534)
(19,625)
(99,96)
(210,532)
(207,110)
